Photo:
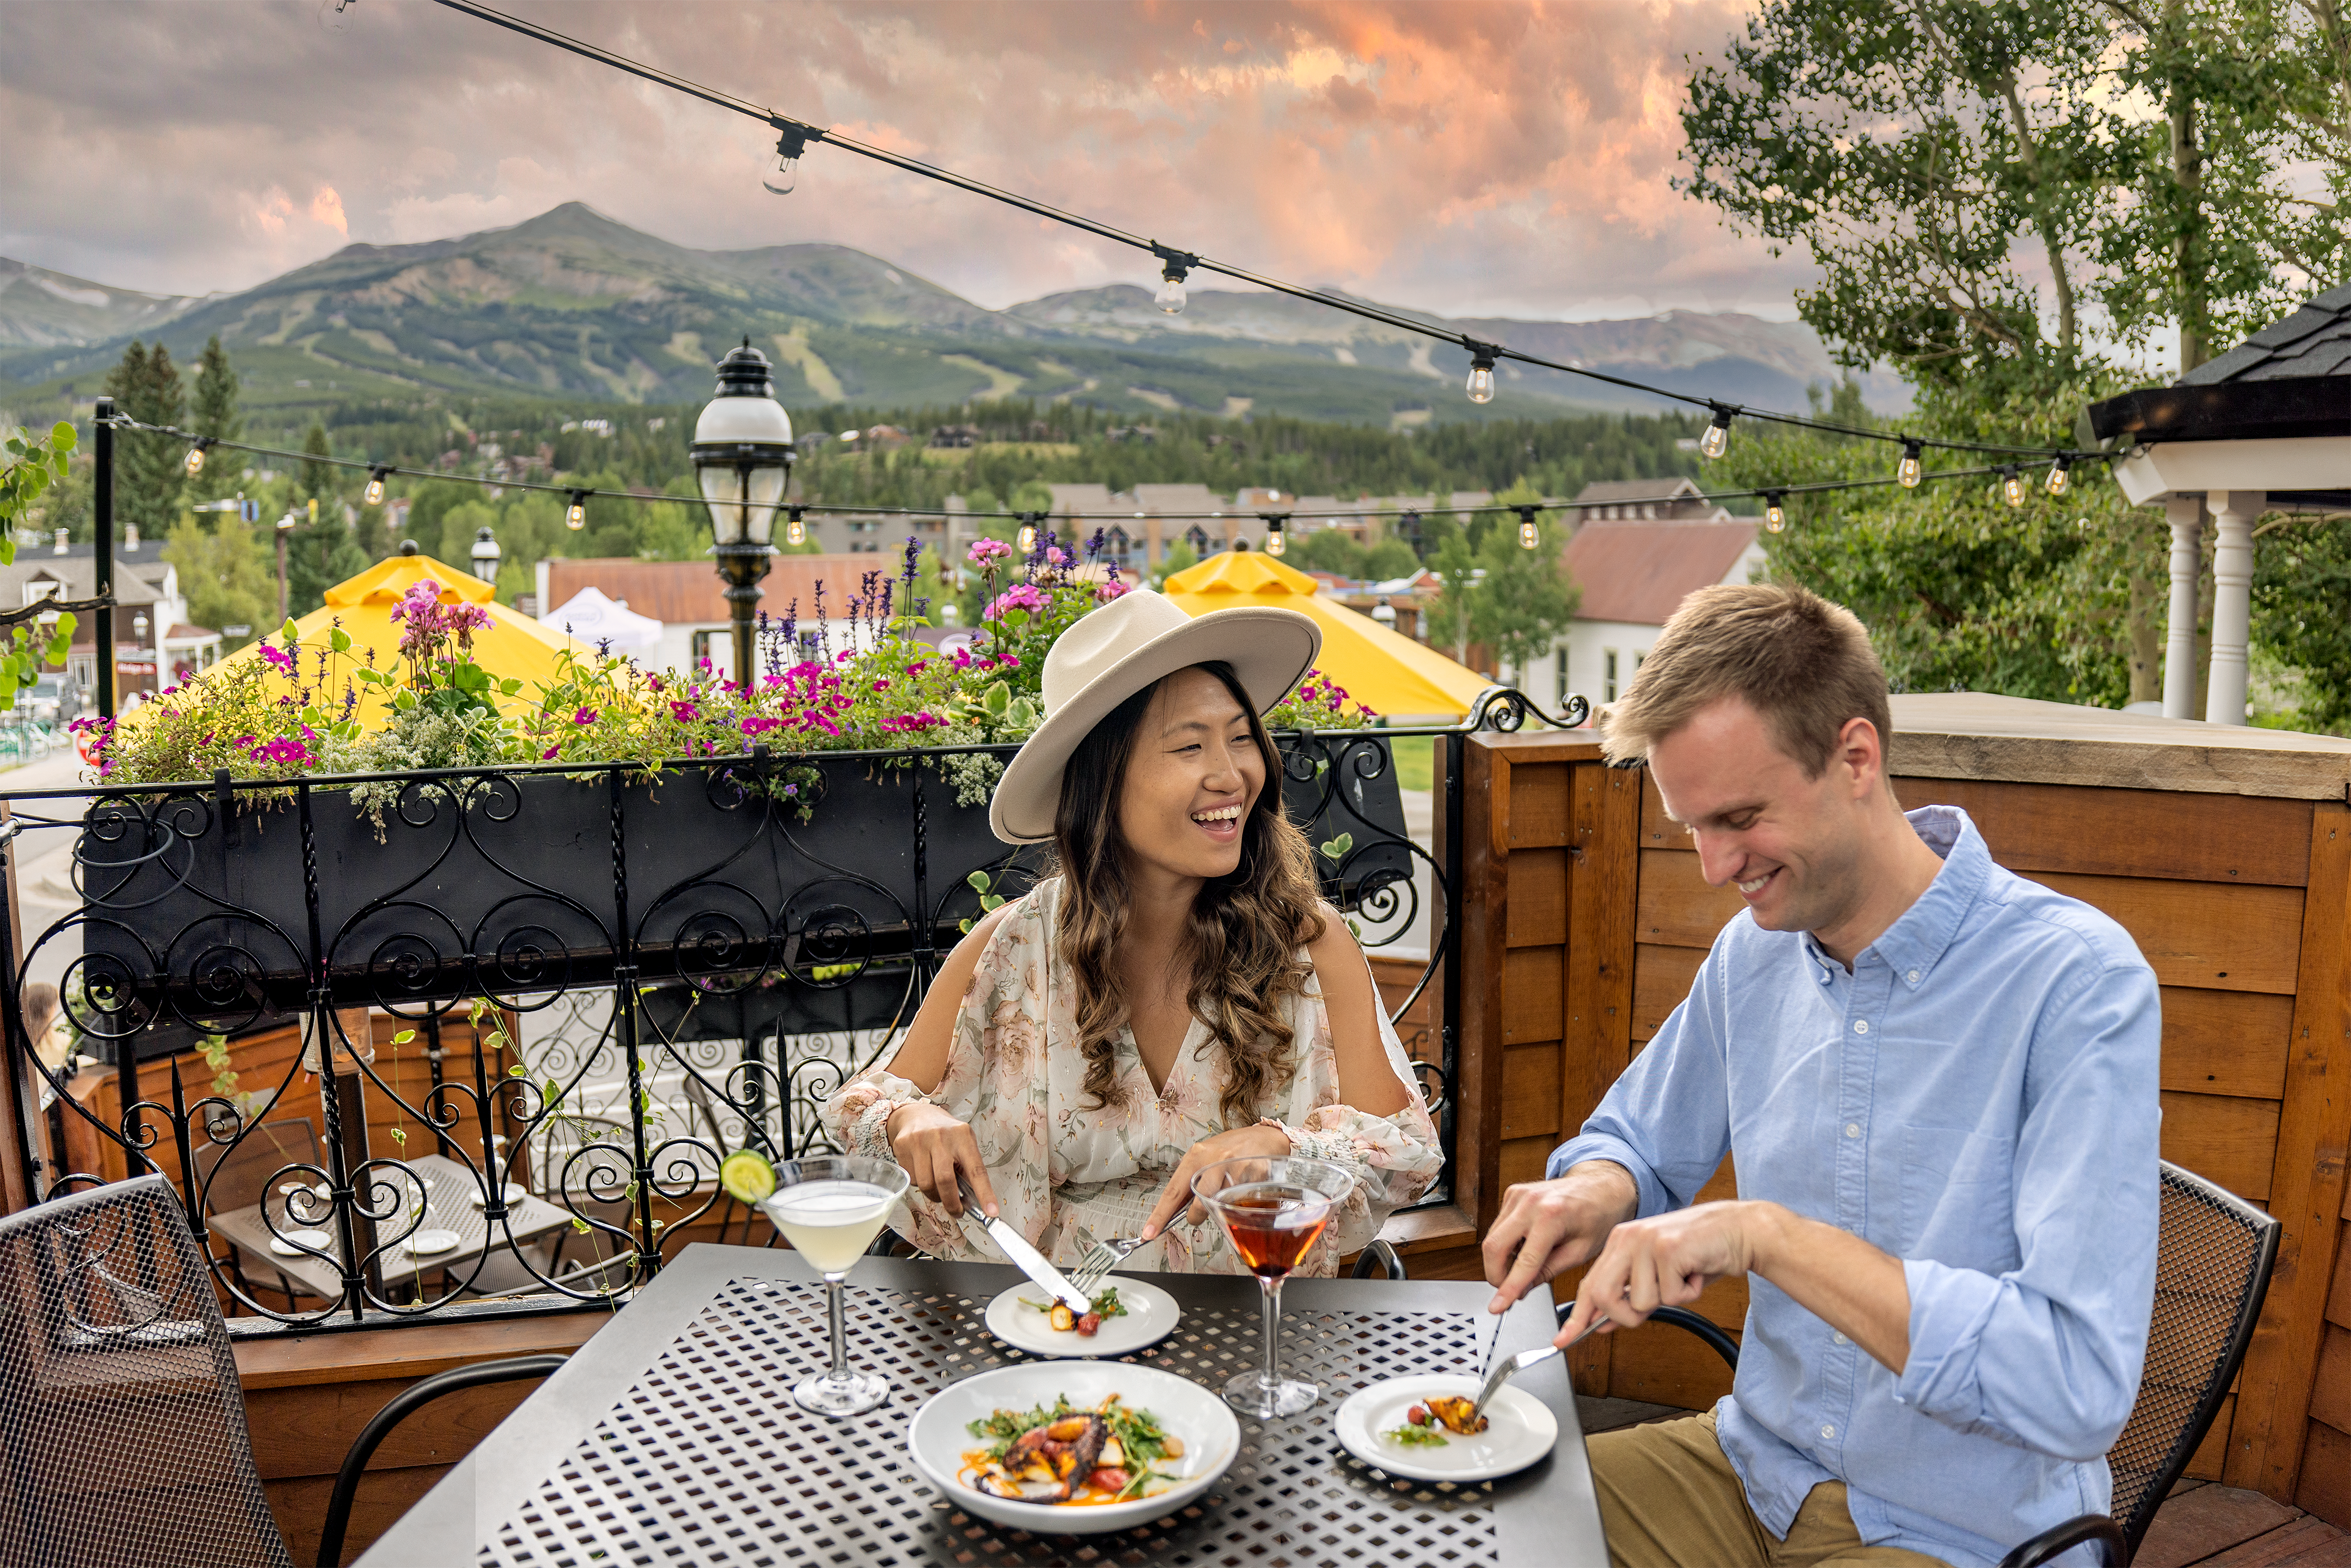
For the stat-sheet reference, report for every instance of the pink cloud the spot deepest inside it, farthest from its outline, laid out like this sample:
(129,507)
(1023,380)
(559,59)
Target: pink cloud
(1476,156)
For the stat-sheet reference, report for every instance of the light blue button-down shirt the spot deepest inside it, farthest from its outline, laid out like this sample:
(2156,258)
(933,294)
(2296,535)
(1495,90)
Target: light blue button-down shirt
(1978,1098)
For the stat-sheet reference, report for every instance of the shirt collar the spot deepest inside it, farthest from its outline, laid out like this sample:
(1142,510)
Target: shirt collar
(1916,940)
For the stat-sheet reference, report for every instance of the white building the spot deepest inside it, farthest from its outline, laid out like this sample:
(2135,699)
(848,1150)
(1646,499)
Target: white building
(1634,574)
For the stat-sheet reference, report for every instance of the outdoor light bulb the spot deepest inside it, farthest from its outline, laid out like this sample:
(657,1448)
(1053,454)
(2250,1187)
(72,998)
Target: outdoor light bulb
(2058,478)
(1529,535)
(2012,488)
(1028,540)
(1716,439)
(1775,516)
(195,460)
(1275,542)
(373,494)
(575,516)
(1482,383)
(1910,470)
(1171,293)
(795,530)
(787,175)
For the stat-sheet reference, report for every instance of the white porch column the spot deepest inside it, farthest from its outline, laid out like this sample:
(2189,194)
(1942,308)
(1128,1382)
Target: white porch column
(2185,515)
(2233,512)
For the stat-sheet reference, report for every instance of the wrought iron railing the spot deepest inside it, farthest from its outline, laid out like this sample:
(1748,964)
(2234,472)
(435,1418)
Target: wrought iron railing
(591,982)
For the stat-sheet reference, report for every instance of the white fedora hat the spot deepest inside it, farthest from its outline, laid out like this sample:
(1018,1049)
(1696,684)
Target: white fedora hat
(1120,649)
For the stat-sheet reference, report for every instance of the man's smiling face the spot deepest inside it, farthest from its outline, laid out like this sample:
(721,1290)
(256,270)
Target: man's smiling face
(1790,844)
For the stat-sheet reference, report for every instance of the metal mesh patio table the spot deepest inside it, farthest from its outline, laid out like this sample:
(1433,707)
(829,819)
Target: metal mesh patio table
(672,1436)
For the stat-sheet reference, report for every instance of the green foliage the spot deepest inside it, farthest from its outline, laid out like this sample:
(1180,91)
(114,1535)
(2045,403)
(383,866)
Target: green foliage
(318,479)
(321,553)
(1178,556)
(1450,619)
(1959,590)
(1333,551)
(147,470)
(2302,615)
(33,465)
(228,573)
(1525,601)
(1939,160)
(214,412)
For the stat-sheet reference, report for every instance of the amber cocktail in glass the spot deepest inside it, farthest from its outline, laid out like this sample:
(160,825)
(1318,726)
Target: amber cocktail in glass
(1273,1212)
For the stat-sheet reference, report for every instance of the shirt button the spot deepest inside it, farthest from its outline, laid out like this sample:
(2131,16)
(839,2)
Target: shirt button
(1823,976)
(1852,1129)
(1828,1431)
(1861,1026)
(1840,1338)
(1914,976)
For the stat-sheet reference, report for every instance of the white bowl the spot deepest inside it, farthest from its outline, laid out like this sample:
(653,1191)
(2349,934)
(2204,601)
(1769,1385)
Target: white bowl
(938,1437)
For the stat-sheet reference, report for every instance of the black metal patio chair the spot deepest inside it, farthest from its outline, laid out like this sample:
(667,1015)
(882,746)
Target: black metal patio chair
(122,1432)
(2213,1256)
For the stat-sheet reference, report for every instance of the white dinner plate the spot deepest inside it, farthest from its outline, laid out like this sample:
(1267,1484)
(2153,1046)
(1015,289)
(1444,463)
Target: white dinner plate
(516,1193)
(290,1245)
(939,1434)
(1151,1316)
(433,1243)
(1520,1430)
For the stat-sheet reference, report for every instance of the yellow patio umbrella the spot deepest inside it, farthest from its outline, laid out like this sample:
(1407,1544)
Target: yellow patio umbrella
(1385,671)
(512,646)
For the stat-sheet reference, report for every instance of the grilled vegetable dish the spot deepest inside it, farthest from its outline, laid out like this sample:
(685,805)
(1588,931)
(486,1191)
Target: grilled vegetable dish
(1425,1425)
(1061,1454)
(1064,1320)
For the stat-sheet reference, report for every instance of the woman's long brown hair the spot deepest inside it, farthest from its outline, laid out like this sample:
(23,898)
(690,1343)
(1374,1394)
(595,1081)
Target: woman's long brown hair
(1242,938)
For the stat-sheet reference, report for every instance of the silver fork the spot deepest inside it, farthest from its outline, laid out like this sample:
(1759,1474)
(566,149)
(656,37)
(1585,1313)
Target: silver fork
(1100,1260)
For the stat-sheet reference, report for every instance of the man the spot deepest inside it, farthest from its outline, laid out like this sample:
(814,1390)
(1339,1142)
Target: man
(1938,1082)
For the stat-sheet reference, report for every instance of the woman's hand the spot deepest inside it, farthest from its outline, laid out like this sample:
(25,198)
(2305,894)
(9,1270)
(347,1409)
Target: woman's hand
(932,1147)
(1264,1143)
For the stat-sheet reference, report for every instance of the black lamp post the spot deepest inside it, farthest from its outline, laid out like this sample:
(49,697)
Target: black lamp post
(742,453)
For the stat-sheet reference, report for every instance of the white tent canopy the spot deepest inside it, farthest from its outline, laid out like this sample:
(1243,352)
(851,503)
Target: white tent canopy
(592,618)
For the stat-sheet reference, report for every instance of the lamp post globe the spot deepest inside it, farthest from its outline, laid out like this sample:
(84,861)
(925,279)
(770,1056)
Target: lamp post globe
(486,555)
(742,456)
(1385,613)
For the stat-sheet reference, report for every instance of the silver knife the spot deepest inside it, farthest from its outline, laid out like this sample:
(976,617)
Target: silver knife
(1027,1259)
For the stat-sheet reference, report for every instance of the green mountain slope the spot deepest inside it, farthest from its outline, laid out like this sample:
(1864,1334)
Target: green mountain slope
(576,308)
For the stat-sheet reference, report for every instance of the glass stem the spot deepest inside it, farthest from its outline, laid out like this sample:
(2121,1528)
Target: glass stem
(835,1309)
(1272,1289)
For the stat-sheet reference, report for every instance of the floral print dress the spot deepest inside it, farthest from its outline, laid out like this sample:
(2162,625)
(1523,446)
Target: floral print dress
(1066,1173)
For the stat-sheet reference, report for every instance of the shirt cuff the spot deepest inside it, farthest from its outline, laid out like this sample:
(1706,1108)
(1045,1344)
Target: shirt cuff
(1949,1310)
(1655,1199)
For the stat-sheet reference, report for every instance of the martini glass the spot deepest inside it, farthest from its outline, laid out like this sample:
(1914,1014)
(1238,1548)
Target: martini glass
(1274,1210)
(830,1207)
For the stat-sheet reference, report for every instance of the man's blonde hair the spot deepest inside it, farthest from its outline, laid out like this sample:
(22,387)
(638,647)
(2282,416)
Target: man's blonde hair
(1802,663)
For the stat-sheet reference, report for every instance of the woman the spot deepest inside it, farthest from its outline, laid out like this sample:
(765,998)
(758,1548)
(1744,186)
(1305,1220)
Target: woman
(1176,997)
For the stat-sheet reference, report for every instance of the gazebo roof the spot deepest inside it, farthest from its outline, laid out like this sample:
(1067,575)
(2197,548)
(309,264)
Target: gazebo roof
(2290,380)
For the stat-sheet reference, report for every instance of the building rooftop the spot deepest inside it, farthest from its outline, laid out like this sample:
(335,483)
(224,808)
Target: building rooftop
(2290,381)
(1640,572)
(690,593)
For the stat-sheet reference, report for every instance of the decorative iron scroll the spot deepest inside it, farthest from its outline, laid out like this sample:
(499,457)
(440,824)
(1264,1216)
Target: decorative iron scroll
(599,980)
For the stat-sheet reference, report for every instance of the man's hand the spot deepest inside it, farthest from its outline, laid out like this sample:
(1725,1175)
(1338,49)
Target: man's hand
(1665,1261)
(1547,1227)
(1265,1143)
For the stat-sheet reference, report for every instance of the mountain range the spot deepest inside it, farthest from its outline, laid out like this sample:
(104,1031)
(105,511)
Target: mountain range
(571,305)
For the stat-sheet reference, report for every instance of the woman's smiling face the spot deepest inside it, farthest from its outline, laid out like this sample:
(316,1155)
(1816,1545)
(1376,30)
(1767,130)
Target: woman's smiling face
(1191,779)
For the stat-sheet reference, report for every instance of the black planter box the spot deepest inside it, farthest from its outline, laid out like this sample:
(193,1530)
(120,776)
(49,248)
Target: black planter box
(505,884)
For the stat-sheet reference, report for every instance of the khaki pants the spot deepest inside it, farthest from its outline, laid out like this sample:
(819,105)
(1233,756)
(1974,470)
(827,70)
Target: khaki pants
(1669,1498)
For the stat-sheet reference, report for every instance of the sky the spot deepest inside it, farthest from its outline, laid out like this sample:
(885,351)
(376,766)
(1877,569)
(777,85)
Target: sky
(1463,156)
